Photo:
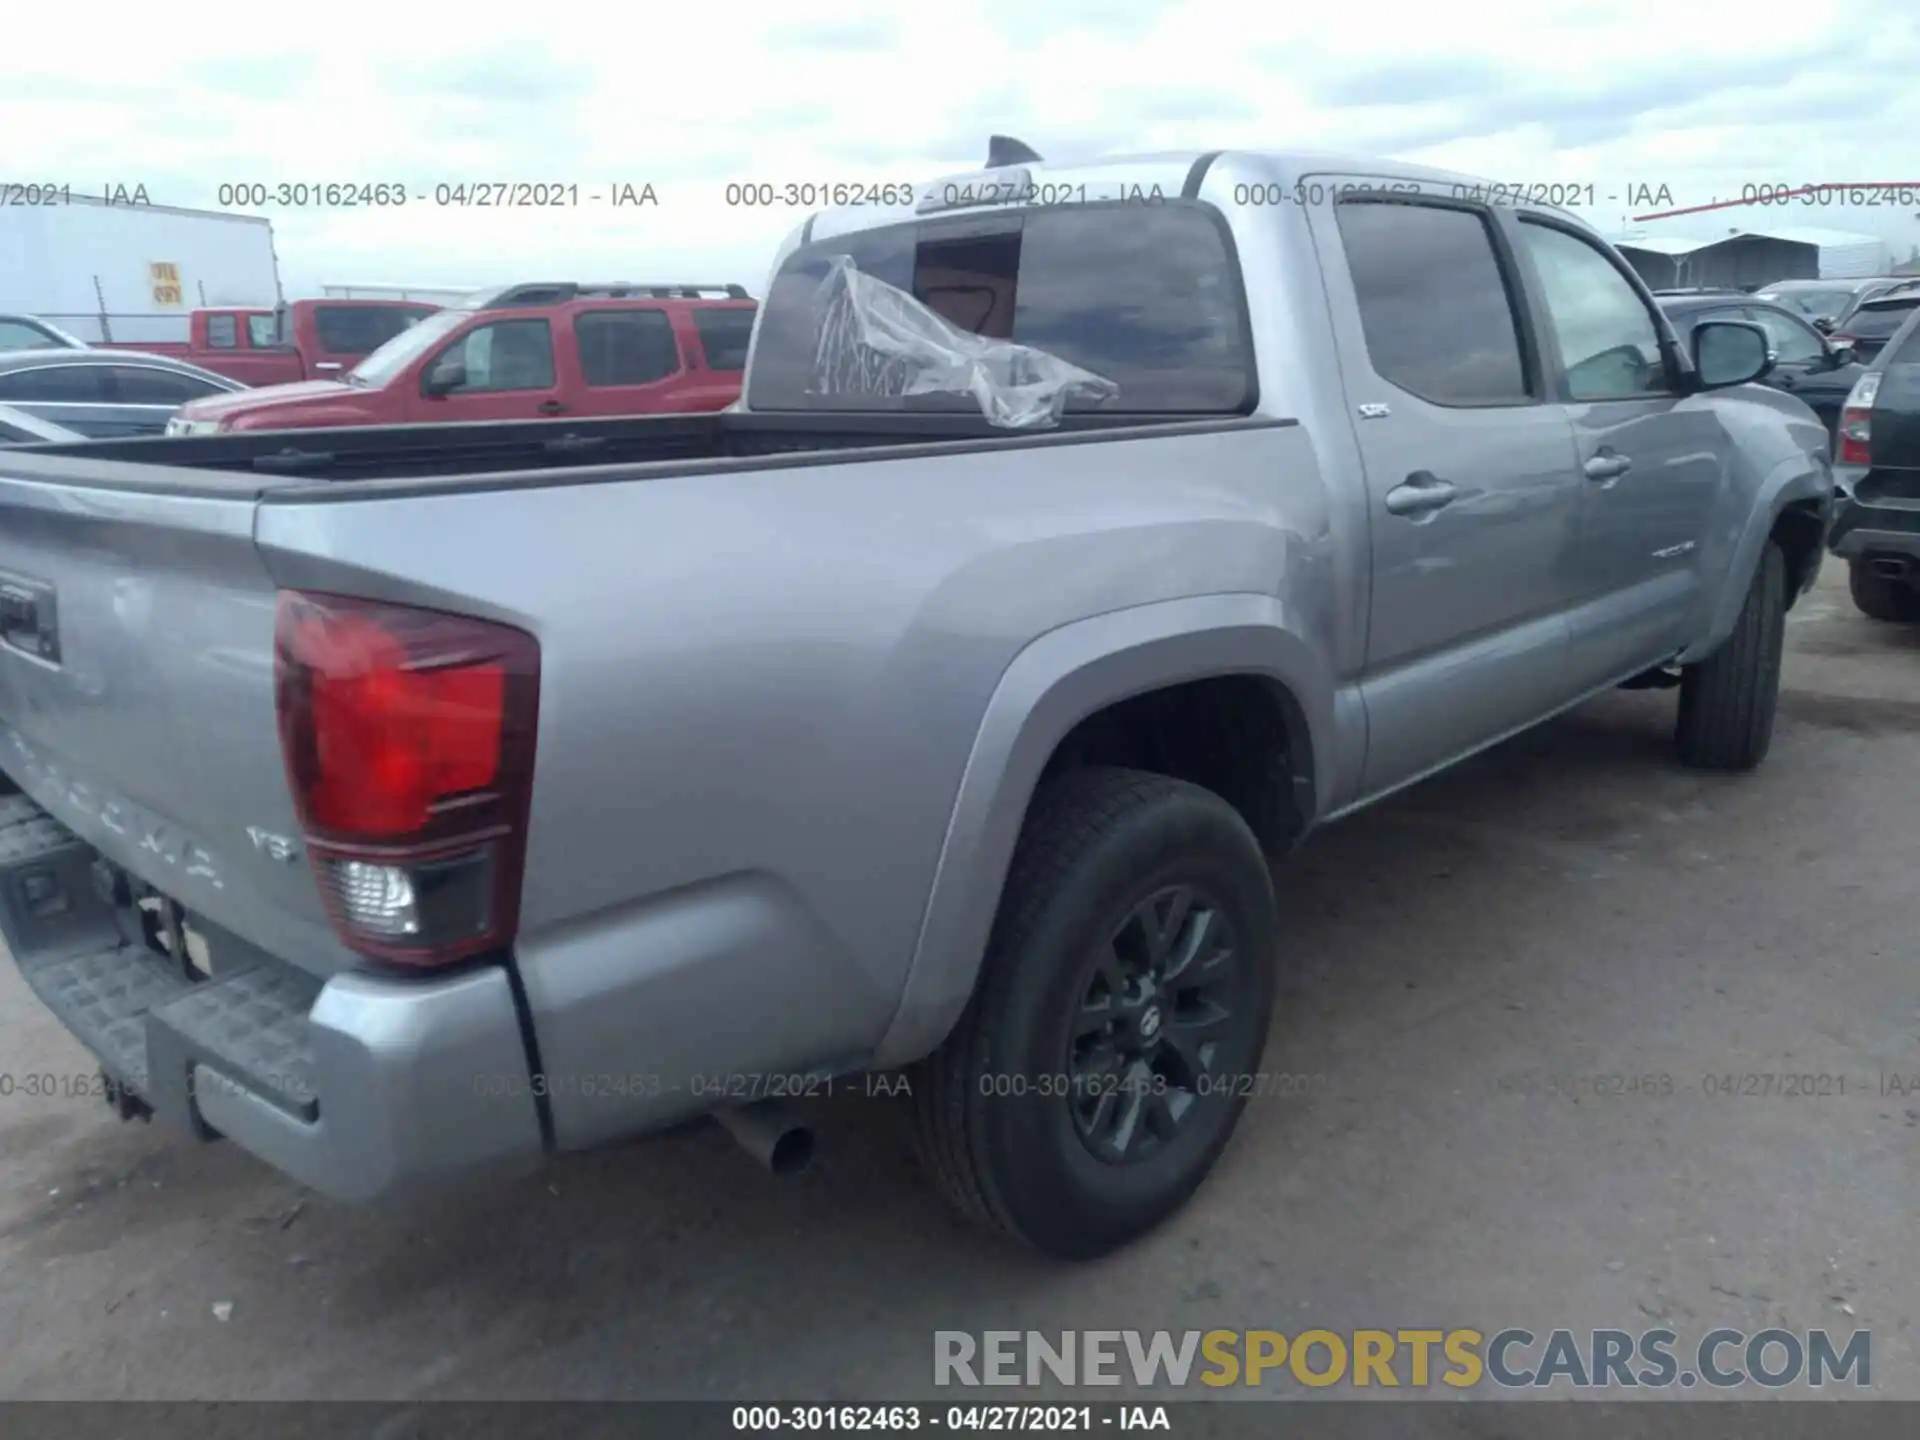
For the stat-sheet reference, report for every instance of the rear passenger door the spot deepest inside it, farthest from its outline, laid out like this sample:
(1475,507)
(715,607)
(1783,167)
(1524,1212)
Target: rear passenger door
(1651,465)
(1472,484)
(630,361)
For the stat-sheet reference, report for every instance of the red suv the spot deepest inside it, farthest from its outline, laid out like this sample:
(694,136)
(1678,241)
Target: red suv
(520,354)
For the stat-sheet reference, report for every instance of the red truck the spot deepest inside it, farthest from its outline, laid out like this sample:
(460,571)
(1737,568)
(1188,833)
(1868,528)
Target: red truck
(521,353)
(311,340)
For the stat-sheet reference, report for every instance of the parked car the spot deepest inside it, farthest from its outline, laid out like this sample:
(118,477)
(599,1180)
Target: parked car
(1822,302)
(533,783)
(30,332)
(1805,363)
(521,353)
(306,340)
(103,393)
(1871,323)
(1877,527)
(17,427)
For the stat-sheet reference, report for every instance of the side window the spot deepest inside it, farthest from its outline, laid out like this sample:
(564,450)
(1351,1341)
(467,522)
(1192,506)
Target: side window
(1608,339)
(625,347)
(57,384)
(1434,305)
(263,333)
(17,336)
(223,332)
(1793,343)
(144,385)
(504,355)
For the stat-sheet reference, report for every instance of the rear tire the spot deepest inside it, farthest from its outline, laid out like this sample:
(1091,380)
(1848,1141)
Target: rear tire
(1728,700)
(1022,1114)
(1879,598)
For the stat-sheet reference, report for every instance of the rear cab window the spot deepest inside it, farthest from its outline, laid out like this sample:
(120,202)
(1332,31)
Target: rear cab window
(1148,296)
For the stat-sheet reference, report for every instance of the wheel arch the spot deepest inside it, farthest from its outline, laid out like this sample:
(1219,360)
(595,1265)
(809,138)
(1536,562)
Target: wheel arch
(1046,694)
(1793,508)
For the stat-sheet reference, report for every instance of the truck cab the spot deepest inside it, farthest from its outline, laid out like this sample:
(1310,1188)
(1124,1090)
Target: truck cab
(306,340)
(523,353)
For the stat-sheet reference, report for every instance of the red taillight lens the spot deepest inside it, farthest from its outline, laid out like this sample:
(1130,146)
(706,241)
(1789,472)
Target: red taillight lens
(408,736)
(1856,438)
(1856,421)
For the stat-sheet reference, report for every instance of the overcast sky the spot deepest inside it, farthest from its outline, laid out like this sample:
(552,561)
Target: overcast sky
(1702,97)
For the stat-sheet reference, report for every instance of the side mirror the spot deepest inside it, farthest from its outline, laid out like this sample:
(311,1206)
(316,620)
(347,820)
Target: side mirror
(1729,352)
(1823,323)
(445,378)
(1841,355)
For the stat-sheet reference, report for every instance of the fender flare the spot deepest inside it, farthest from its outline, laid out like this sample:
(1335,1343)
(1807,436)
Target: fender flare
(1793,480)
(1053,684)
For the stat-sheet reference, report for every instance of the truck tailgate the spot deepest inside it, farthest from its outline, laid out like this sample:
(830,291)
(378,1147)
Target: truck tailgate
(137,689)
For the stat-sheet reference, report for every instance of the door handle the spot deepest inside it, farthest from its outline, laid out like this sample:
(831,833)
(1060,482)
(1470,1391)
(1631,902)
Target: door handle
(1424,491)
(1607,466)
(551,407)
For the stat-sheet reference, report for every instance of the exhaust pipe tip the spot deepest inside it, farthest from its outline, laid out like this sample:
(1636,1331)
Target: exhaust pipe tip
(792,1152)
(772,1134)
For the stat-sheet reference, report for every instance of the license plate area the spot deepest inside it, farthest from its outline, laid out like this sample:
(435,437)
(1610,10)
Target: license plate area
(159,921)
(169,931)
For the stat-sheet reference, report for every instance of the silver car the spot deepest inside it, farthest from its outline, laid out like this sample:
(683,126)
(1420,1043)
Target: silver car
(30,332)
(104,393)
(19,428)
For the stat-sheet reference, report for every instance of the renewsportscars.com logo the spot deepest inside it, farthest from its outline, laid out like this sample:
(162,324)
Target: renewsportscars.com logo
(1404,1359)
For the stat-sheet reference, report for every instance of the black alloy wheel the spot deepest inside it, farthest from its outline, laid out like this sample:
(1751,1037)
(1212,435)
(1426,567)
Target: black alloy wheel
(1160,997)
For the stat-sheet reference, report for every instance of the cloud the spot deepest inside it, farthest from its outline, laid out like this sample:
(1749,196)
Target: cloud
(1700,98)
(873,34)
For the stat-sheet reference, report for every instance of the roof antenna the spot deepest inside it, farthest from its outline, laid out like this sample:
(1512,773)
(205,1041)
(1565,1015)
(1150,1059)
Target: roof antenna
(1005,150)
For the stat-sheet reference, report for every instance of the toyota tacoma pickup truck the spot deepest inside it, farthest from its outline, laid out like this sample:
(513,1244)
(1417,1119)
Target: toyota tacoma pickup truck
(412,804)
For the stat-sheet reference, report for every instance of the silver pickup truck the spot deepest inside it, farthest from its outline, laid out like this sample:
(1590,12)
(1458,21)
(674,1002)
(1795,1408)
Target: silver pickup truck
(404,803)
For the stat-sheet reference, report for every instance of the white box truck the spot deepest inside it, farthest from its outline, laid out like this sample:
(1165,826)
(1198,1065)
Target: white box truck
(106,268)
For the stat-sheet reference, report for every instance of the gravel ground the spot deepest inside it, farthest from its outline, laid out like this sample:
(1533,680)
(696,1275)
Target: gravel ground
(1570,905)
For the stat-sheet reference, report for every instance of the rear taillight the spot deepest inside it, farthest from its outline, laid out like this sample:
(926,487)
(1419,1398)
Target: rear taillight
(408,736)
(1856,421)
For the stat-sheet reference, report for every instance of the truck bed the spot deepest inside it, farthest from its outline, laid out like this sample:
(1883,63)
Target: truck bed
(504,453)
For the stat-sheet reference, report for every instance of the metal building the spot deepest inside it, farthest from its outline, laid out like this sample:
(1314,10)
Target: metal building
(1753,258)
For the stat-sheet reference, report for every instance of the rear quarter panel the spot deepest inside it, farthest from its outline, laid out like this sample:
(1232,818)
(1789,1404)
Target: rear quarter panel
(760,690)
